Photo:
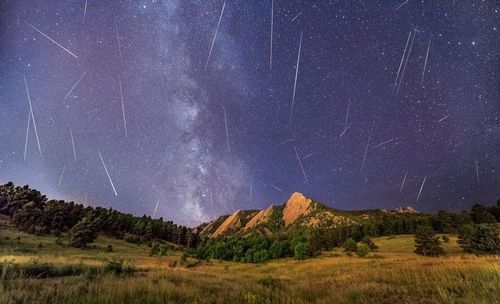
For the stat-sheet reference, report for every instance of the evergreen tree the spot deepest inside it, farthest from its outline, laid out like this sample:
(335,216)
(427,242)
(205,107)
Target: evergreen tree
(427,243)
(481,214)
(480,239)
(83,233)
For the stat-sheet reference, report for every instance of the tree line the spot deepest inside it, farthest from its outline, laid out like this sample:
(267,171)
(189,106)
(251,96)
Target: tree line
(478,232)
(32,212)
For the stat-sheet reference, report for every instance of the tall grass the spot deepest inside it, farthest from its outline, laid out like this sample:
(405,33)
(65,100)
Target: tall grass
(396,276)
(328,280)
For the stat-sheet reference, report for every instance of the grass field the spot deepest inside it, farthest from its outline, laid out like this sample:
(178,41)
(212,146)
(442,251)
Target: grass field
(393,275)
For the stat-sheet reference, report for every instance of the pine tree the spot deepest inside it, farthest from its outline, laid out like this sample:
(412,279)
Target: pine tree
(83,233)
(427,243)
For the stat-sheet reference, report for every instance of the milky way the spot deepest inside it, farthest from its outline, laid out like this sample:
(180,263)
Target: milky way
(188,103)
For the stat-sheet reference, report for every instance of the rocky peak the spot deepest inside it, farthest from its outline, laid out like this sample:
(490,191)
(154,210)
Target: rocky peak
(232,222)
(296,206)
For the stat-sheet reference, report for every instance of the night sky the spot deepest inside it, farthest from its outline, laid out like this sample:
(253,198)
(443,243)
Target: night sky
(203,130)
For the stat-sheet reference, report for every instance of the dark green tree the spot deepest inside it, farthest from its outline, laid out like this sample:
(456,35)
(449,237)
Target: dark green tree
(300,251)
(481,215)
(83,233)
(480,239)
(427,243)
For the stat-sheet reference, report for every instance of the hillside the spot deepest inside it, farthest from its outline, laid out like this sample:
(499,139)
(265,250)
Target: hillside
(392,275)
(297,211)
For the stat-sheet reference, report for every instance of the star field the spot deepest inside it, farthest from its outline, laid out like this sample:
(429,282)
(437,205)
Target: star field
(396,103)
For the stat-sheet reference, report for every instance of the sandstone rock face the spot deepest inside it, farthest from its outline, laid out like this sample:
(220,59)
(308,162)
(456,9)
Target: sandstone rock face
(231,223)
(405,210)
(296,206)
(260,217)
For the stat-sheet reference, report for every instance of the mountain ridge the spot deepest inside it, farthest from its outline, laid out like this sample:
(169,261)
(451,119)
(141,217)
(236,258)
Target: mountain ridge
(297,211)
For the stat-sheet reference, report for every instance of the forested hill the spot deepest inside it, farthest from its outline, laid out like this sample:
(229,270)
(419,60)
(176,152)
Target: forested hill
(32,212)
(300,212)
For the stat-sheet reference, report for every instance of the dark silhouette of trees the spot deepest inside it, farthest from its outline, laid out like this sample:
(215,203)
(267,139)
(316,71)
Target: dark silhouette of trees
(480,239)
(32,212)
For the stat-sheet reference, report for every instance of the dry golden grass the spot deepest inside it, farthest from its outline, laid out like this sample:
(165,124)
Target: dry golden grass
(397,275)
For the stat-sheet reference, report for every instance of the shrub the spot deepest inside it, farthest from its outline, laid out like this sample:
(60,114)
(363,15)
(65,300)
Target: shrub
(367,241)
(300,251)
(163,250)
(261,256)
(362,250)
(37,270)
(133,239)
(154,249)
(118,267)
(350,245)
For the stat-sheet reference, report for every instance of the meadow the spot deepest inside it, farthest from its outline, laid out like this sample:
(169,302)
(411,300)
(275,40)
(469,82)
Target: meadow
(394,274)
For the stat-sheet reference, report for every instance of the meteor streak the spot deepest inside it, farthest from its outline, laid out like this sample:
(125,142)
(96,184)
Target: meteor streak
(107,173)
(73,143)
(215,35)
(296,75)
(421,187)
(51,40)
(32,116)
(74,86)
(300,163)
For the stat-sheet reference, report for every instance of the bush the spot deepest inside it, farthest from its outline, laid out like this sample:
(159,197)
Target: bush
(350,245)
(367,241)
(261,256)
(118,267)
(37,270)
(133,239)
(300,251)
(362,250)
(154,249)
(163,250)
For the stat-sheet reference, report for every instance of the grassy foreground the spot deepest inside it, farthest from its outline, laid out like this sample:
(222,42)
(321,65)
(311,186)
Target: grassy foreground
(393,275)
